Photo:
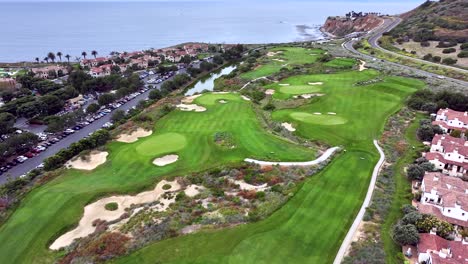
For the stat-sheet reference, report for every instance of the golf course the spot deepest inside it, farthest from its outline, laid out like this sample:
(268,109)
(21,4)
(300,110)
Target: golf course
(309,228)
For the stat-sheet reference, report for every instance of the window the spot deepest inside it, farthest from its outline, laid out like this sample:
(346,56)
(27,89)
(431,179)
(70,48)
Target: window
(448,210)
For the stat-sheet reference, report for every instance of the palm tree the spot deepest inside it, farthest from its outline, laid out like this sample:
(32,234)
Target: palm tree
(94,53)
(84,54)
(59,54)
(51,56)
(46,59)
(37,59)
(68,57)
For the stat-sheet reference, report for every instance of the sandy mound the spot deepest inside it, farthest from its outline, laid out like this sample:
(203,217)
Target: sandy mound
(134,136)
(317,113)
(248,187)
(272,53)
(222,101)
(90,162)
(97,210)
(245,98)
(192,190)
(284,84)
(315,83)
(189,99)
(362,65)
(165,160)
(191,107)
(307,96)
(331,113)
(270,91)
(288,126)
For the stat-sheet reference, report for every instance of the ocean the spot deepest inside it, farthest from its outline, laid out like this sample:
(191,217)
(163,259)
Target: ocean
(32,29)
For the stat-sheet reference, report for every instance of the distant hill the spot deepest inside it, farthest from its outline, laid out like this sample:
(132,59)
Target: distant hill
(435,20)
(343,25)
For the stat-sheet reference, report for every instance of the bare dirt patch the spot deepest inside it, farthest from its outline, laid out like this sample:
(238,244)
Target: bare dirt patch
(190,99)
(134,136)
(245,98)
(269,91)
(88,162)
(307,96)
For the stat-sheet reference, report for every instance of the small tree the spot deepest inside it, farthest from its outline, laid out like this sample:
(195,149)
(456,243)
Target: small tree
(405,234)
(155,95)
(415,172)
(92,108)
(411,218)
(118,116)
(105,99)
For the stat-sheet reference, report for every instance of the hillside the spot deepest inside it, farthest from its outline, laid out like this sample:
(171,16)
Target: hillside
(442,20)
(341,26)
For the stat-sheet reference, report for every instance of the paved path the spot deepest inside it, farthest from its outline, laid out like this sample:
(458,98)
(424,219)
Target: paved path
(349,236)
(245,85)
(322,158)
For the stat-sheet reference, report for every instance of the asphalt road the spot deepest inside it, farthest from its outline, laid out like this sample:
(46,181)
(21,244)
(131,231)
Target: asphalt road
(388,25)
(33,162)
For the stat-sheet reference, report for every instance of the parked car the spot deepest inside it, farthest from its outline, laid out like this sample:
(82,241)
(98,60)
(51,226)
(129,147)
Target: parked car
(107,125)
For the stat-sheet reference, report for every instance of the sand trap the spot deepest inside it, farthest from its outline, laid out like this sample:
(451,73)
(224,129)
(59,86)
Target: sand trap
(307,96)
(165,160)
(269,91)
(272,53)
(91,161)
(280,60)
(222,101)
(284,84)
(134,136)
(192,190)
(191,107)
(315,83)
(189,99)
(331,113)
(362,65)
(221,92)
(288,126)
(248,187)
(327,154)
(317,113)
(97,210)
(245,98)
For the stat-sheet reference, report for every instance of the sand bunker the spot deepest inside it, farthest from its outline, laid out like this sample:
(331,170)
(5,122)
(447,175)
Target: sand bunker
(269,91)
(272,53)
(331,113)
(191,107)
(362,65)
(222,101)
(280,60)
(134,136)
(288,126)
(165,160)
(89,162)
(315,83)
(221,92)
(192,190)
(189,99)
(317,113)
(97,210)
(248,187)
(245,98)
(307,96)
(284,84)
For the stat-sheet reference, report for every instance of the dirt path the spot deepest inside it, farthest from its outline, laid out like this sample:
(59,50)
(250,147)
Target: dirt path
(357,221)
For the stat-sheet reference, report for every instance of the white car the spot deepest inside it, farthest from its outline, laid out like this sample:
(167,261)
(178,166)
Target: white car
(107,125)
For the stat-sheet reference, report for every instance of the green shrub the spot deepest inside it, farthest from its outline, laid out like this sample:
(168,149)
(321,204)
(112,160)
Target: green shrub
(449,50)
(166,186)
(111,206)
(449,61)
(463,54)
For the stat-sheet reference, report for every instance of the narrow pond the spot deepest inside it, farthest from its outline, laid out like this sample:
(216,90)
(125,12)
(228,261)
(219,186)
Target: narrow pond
(207,83)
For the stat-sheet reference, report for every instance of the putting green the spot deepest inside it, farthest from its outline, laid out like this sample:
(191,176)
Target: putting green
(322,119)
(299,89)
(160,144)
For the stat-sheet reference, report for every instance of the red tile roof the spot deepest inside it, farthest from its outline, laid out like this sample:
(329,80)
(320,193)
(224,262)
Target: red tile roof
(430,243)
(452,114)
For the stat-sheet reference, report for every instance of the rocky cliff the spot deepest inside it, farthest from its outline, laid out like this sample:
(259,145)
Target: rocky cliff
(341,26)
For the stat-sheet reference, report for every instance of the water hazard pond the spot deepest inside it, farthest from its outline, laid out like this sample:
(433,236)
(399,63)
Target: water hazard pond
(207,83)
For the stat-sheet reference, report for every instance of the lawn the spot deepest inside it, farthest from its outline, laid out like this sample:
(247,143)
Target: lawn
(284,57)
(55,207)
(341,63)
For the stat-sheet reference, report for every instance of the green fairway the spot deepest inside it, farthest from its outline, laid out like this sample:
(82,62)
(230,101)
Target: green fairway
(50,210)
(309,228)
(341,63)
(283,57)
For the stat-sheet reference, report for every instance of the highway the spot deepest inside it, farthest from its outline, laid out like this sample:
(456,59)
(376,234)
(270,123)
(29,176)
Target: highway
(376,34)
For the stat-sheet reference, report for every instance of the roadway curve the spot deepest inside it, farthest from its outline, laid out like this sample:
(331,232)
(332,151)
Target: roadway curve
(376,34)
(354,227)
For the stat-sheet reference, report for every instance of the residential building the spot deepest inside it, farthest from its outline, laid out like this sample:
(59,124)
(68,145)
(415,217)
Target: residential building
(101,71)
(449,154)
(93,62)
(43,72)
(433,249)
(448,194)
(449,120)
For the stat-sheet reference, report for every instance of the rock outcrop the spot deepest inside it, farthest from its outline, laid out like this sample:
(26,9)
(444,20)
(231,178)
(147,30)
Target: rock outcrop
(342,26)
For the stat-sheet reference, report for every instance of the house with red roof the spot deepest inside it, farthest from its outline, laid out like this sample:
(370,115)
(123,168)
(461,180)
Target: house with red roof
(449,154)
(101,71)
(43,72)
(93,62)
(449,195)
(433,249)
(449,120)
